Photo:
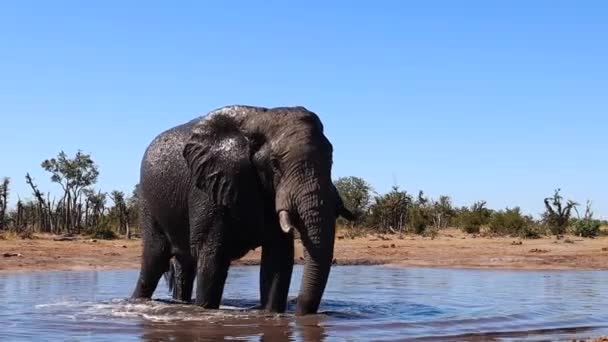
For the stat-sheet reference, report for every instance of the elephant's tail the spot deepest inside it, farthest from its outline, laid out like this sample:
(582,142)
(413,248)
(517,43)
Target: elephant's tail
(170,275)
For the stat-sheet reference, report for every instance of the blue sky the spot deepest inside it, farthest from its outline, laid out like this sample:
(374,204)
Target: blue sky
(497,100)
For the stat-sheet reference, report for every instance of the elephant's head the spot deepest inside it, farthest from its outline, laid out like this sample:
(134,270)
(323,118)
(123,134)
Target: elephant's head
(241,154)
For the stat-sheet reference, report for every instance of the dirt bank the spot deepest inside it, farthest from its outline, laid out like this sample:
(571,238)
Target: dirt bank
(450,249)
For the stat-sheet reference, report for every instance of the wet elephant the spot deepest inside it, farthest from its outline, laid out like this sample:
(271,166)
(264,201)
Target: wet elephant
(235,179)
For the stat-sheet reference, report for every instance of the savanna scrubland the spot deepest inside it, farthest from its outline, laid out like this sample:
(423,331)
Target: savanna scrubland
(87,228)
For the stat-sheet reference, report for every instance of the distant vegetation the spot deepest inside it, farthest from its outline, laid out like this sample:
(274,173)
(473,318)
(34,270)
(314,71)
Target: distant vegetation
(82,209)
(400,212)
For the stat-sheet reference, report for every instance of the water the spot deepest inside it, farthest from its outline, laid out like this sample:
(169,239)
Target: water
(362,303)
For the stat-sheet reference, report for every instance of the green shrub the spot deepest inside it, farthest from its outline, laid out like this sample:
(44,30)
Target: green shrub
(531,232)
(511,222)
(422,216)
(470,226)
(470,220)
(389,212)
(419,219)
(356,194)
(442,212)
(586,228)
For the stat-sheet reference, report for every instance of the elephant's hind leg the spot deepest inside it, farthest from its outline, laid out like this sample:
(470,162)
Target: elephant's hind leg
(184,271)
(155,259)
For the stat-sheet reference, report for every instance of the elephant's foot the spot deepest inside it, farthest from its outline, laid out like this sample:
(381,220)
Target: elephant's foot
(143,290)
(208,305)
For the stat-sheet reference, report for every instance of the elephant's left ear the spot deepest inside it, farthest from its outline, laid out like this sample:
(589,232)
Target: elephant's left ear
(218,156)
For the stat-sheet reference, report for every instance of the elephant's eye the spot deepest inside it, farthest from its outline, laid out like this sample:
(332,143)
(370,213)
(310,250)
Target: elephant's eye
(274,164)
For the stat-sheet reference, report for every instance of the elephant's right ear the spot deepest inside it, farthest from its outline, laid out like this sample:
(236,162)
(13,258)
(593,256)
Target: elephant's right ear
(218,156)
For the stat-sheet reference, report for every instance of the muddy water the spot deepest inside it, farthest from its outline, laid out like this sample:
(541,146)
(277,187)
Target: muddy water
(362,303)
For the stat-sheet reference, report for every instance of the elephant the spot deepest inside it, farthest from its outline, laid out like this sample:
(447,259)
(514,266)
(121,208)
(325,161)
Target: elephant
(238,178)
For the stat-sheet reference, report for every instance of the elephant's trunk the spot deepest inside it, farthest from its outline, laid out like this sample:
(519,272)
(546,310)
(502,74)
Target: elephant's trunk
(317,234)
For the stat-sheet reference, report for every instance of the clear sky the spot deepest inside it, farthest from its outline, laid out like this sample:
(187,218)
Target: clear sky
(497,100)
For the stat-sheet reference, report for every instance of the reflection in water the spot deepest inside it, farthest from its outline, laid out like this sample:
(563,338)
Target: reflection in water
(296,329)
(361,303)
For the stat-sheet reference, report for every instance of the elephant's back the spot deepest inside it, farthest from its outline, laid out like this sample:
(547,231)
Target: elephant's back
(165,151)
(164,175)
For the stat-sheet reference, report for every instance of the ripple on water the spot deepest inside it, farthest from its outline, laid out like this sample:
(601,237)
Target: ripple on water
(369,303)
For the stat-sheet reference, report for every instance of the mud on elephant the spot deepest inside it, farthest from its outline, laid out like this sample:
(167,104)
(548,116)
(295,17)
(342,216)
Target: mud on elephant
(235,179)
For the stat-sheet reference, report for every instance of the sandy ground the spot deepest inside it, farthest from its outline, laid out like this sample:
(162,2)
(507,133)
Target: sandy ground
(450,249)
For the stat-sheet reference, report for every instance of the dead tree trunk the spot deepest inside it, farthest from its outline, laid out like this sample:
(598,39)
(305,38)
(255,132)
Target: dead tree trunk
(79,218)
(41,204)
(50,215)
(3,202)
(19,219)
(68,213)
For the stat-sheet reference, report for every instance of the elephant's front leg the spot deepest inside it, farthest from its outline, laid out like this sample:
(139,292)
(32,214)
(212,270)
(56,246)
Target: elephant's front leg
(275,271)
(211,276)
(212,264)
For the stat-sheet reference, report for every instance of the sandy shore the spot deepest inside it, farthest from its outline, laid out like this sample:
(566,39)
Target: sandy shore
(450,249)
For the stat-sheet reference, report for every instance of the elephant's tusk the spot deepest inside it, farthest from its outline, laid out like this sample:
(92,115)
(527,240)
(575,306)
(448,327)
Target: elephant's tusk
(285,222)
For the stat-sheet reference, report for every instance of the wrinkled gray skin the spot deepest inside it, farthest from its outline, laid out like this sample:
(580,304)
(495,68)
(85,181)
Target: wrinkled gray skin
(239,178)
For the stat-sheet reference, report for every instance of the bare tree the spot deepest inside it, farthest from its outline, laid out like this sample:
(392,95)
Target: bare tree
(557,216)
(19,219)
(3,202)
(44,210)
